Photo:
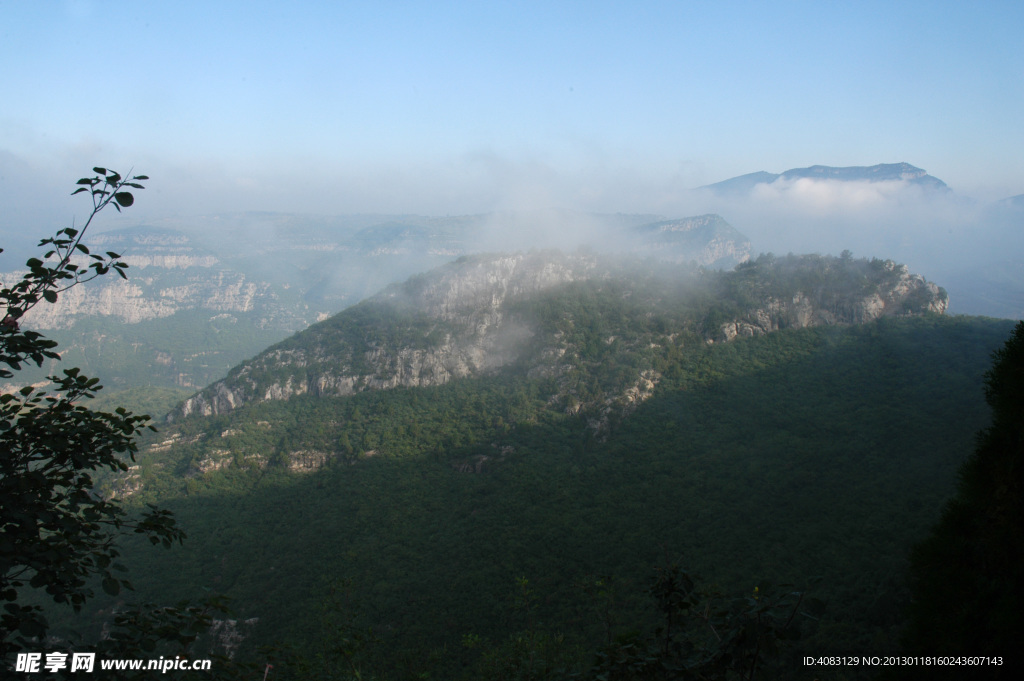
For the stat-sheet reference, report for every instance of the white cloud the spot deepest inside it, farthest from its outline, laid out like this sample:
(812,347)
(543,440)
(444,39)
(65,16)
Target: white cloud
(827,196)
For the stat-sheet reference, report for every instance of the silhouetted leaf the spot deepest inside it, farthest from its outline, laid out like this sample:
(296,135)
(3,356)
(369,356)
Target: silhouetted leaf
(111,586)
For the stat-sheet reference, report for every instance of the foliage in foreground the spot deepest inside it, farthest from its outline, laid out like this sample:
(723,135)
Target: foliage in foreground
(58,537)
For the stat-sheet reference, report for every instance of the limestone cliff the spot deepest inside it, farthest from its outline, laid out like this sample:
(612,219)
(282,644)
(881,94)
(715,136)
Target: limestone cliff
(169,273)
(148,296)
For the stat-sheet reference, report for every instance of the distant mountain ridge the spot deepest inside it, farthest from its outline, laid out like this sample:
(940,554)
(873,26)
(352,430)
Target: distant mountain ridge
(883,172)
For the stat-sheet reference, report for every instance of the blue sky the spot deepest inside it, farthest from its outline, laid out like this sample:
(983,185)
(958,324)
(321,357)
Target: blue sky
(455,107)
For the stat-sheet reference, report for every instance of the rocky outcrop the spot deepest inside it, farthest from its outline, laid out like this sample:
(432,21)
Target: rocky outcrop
(902,295)
(308,460)
(230,634)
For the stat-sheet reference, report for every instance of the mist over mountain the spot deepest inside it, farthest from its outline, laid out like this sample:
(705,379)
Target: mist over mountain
(206,293)
(715,243)
(971,245)
(479,314)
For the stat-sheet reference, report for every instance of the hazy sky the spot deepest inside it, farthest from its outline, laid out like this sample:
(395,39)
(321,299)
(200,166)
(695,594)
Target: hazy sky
(456,107)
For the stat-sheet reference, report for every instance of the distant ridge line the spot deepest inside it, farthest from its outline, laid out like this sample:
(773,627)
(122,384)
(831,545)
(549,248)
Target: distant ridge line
(882,172)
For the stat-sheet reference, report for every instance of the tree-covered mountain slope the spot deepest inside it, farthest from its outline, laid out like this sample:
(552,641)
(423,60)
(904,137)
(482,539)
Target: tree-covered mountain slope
(548,312)
(401,523)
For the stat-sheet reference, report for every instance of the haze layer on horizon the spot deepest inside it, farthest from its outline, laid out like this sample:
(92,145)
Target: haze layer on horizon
(453,108)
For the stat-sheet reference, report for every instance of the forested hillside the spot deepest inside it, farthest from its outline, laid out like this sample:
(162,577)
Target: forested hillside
(551,313)
(508,524)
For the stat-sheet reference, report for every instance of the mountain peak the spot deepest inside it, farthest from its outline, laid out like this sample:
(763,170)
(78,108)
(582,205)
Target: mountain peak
(882,172)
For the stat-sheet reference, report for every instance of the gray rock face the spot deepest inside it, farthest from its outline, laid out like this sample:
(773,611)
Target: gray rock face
(150,296)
